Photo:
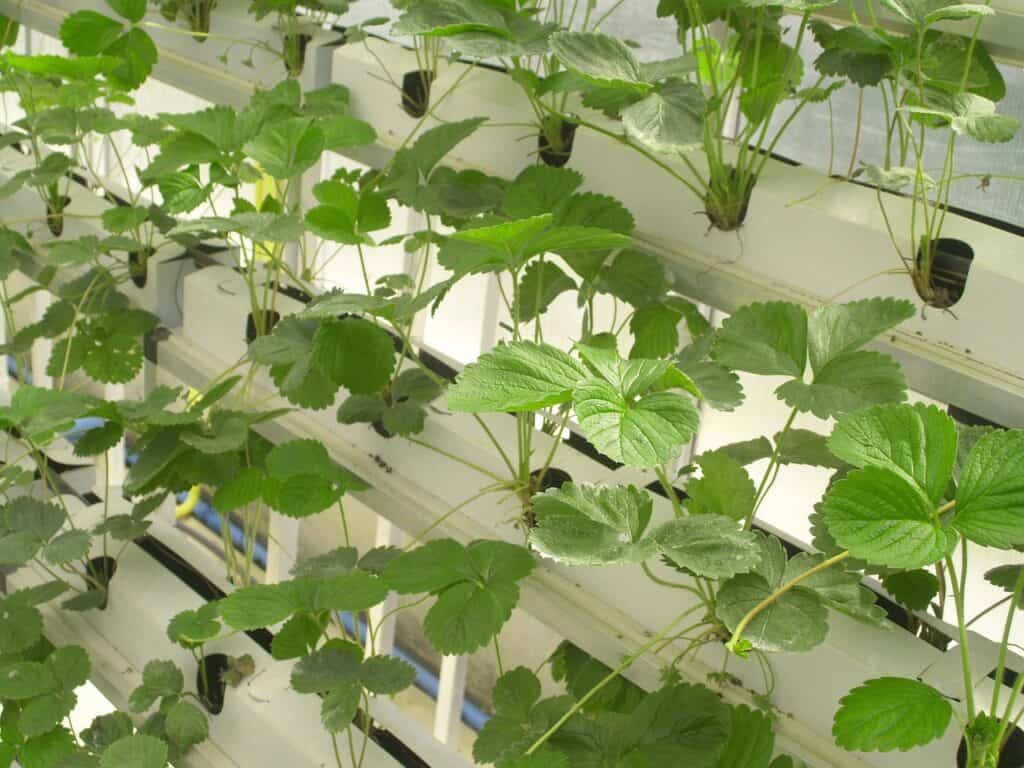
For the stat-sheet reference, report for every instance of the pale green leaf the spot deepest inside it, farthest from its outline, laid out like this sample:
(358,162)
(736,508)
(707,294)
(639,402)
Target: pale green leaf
(990,496)
(769,339)
(671,119)
(834,329)
(890,713)
(710,546)
(852,381)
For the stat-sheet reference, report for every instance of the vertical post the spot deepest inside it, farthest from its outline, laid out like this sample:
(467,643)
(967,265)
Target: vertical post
(111,470)
(388,535)
(451,693)
(41,348)
(282,546)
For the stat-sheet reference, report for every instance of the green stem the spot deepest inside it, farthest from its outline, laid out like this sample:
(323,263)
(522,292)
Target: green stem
(737,634)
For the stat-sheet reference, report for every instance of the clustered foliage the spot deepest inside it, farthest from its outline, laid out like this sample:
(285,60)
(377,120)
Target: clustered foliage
(910,490)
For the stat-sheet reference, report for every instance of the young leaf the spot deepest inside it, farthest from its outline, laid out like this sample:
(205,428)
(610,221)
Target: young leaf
(890,713)
(882,518)
(600,58)
(990,497)
(917,442)
(769,339)
(592,525)
(355,353)
(519,376)
(287,147)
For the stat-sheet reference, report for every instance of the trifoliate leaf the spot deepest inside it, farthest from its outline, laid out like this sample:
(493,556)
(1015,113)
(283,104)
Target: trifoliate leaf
(890,713)
(137,751)
(592,525)
(708,545)
(852,381)
(834,329)
(680,724)
(539,189)
(519,376)
(769,339)
(724,489)
(990,496)
(882,518)
(256,606)
(914,589)
(917,442)
(476,586)
(192,628)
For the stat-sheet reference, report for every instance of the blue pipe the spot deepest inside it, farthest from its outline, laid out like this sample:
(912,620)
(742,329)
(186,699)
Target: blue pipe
(426,679)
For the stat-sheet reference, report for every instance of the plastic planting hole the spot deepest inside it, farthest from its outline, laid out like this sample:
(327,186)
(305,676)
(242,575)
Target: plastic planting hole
(951,263)
(295,52)
(270,319)
(101,570)
(559,154)
(210,681)
(138,266)
(55,215)
(416,92)
(553,478)
(1012,755)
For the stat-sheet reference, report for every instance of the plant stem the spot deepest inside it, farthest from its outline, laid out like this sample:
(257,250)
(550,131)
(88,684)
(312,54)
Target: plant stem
(626,664)
(965,656)
(1007,626)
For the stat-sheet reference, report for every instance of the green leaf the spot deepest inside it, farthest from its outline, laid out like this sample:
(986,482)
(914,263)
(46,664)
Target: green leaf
(724,489)
(186,725)
(47,750)
(796,621)
(164,677)
(256,606)
(802,446)
(655,331)
(287,147)
(20,626)
(413,165)
(1005,576)
(340,707)
(356,354)
(26,679)
(245,487)
(386,675)
(852,381)
(890,713)
(298,637)
(87,33)
(138,54)
(882,518)
(835,329)
(334,665)
(669,120)
(541,284)
(476,589)
(45,712)
(751,741)
(914,589)
(132,10)
(192,628)
(592,525)
(769,339)
(138,751)
(68,546)
(708,545)
(681,725)
(518,376)
(603,59)
(990,497)
(633,428)
(917,442)
(539,189)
